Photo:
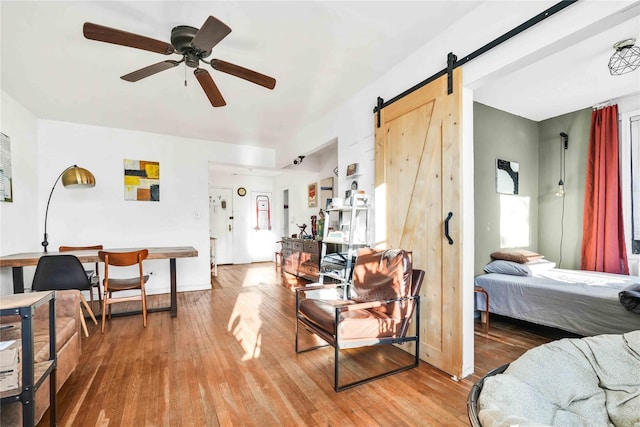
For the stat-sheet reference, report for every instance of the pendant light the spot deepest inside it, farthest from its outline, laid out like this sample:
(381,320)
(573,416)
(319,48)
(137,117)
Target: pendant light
(625,59)
(564,144)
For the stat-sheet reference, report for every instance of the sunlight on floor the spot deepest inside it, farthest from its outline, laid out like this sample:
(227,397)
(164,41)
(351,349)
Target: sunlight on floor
(245,324)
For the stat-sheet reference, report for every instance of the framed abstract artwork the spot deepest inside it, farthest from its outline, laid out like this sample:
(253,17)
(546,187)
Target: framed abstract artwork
(141,180)
(507,180)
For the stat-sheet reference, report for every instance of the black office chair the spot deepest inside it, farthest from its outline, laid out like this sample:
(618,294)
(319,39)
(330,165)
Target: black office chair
(93,274)
(62,272)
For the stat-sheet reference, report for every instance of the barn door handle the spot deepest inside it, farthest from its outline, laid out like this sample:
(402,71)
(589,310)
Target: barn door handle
(446,228)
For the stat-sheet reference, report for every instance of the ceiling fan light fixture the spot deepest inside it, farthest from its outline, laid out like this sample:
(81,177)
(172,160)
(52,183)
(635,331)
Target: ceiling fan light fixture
(193,44)
(625,59)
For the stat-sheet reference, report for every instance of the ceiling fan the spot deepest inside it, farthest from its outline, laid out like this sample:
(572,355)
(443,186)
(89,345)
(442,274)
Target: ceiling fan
(193,44)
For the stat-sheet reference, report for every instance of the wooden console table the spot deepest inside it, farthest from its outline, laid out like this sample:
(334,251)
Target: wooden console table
(301,257)
(18,261)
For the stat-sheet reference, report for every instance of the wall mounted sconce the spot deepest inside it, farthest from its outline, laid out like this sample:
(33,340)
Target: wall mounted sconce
(72,177)
(564,145)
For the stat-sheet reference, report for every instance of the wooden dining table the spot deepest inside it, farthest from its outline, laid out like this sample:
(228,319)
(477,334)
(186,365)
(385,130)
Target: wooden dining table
(26,259)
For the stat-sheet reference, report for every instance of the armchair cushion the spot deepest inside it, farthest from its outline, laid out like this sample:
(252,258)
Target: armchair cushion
(354,323)
(381,275)
(322,312)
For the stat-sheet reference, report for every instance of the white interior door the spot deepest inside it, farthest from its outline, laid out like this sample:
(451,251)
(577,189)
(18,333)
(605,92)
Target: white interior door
(221,223)
(263,234)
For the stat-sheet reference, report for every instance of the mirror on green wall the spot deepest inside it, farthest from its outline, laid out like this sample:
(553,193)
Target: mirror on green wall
(507,176)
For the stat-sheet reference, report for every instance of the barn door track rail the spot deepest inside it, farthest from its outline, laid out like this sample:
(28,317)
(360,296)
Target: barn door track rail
(453,62)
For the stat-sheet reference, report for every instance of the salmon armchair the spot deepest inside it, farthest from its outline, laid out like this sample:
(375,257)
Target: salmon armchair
(383,298)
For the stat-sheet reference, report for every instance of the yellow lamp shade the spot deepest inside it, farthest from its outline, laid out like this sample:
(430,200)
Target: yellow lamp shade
(78,177)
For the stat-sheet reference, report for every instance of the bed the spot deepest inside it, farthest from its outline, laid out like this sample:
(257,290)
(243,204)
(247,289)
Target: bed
(581,302)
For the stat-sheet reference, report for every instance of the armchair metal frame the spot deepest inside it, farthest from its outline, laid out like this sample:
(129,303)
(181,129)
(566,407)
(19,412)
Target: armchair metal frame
(338,343)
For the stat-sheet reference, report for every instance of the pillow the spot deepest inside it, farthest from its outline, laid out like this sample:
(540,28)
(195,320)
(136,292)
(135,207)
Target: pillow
(540,266)
(507,267)
(509,256)
(519,255)
(630,298)
(530,255)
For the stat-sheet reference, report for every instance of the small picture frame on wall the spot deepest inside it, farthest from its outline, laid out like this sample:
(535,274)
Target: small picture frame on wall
(6,178)
(353,170)
(507,177)
(313,195)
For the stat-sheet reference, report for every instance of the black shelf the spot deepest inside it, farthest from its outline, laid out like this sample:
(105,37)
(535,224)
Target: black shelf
(33,374)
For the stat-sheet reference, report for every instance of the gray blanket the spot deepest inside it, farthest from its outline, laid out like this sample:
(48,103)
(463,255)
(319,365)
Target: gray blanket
(593,381)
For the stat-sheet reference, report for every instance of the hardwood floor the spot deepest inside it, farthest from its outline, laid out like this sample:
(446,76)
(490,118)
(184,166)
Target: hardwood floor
(228,359)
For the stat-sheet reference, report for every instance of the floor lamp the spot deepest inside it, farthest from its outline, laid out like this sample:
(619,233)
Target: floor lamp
(72,177)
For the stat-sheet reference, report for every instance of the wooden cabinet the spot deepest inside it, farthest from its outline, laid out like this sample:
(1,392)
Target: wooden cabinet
(301,257)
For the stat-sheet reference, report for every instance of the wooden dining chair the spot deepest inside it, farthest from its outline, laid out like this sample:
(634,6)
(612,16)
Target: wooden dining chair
(93,274)
(111,285)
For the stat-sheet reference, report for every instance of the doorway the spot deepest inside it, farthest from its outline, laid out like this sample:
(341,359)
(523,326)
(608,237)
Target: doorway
(221,224)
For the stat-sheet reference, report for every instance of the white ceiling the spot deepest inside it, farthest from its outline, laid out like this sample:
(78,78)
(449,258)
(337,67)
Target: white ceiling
(320,52)
(572,75)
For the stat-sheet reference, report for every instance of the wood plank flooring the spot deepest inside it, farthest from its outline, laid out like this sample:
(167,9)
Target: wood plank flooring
(228,359)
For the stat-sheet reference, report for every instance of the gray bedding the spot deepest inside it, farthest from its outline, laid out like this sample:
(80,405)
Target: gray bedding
(593,381)
(585,303)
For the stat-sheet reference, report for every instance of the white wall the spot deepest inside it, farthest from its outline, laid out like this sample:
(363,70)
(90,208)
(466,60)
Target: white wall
(250,245)
(101,215)
(18,220)
(297,181)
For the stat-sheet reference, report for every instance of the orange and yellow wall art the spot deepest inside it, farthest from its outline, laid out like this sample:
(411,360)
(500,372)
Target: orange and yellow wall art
(141,180)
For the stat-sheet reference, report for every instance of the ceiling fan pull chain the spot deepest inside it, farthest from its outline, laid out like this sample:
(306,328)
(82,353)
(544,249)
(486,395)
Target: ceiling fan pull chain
(185,74)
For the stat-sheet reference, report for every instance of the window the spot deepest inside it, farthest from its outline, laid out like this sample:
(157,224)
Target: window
(514,221)
(630,178)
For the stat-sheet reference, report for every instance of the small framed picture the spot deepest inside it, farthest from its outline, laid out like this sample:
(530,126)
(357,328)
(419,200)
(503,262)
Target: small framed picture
(329,204)
(352,169)
(313,195)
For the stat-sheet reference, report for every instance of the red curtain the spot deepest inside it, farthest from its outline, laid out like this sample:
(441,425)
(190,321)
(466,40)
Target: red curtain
(603,247)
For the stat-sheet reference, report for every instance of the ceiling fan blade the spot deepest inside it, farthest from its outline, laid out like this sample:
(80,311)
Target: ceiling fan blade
(244,73)
(149,71)
(123,38)
(209,87)
(210,34)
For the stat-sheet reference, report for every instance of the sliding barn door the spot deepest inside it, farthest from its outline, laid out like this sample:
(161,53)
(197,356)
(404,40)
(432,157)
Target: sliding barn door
(418,186)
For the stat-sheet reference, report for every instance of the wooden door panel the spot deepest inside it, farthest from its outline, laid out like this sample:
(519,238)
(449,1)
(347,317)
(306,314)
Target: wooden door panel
(417,179)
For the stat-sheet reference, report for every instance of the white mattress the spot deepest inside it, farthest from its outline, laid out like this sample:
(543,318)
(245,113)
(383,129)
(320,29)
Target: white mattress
(581,302)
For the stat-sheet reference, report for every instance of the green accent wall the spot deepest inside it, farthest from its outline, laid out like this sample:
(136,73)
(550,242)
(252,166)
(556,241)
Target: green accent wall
(551,226)
(536,147)
(497,134)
